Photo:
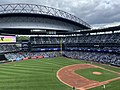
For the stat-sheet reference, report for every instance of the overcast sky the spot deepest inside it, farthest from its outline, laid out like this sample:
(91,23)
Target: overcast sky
(98,13)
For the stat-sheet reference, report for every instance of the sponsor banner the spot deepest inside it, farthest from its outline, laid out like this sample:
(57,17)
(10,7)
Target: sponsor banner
(33,57)
(25,58)
(46,56)
(40,57)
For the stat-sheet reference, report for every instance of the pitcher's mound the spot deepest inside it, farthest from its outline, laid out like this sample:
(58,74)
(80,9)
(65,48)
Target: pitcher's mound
(97,73)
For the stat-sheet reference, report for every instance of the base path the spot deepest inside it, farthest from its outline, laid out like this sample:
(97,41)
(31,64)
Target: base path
(68,77)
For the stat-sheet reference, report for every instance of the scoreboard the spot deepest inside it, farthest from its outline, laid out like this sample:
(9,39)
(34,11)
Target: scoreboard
(7,39)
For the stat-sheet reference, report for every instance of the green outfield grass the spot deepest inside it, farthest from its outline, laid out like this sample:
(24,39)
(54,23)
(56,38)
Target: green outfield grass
(33,74)
(36,74)
(88,73)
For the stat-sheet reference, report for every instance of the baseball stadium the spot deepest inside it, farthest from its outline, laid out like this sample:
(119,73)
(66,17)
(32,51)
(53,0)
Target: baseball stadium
(61,51)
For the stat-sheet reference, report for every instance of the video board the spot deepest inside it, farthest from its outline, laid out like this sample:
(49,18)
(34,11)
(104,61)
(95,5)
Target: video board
(7,39)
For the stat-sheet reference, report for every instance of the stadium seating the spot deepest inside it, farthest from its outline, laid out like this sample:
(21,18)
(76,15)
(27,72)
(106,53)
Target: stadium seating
(46,40)
(8,48)
(103,54)
(96,49)
(104,58)
(104,38)
(23,55)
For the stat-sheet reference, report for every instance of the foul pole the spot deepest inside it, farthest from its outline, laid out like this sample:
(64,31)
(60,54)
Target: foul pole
(61,46)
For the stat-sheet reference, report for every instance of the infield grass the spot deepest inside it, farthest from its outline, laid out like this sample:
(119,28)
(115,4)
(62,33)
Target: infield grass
(88,73)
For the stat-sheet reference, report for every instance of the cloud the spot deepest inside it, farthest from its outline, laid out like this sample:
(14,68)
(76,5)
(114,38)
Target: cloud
(95,12)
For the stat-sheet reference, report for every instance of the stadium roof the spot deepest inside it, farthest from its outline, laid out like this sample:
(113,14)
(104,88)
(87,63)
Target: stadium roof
(33,10)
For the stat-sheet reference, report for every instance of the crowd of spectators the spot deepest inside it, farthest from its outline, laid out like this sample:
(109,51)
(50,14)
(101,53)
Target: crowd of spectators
(8,48)
(105,58)
(104,38)
(108,49)
(21,55)
(46,40)
(84,53)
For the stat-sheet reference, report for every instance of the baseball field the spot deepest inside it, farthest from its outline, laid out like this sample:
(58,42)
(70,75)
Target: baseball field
(42,74)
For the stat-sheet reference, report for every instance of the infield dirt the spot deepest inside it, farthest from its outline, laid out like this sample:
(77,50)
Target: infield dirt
(70,78)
